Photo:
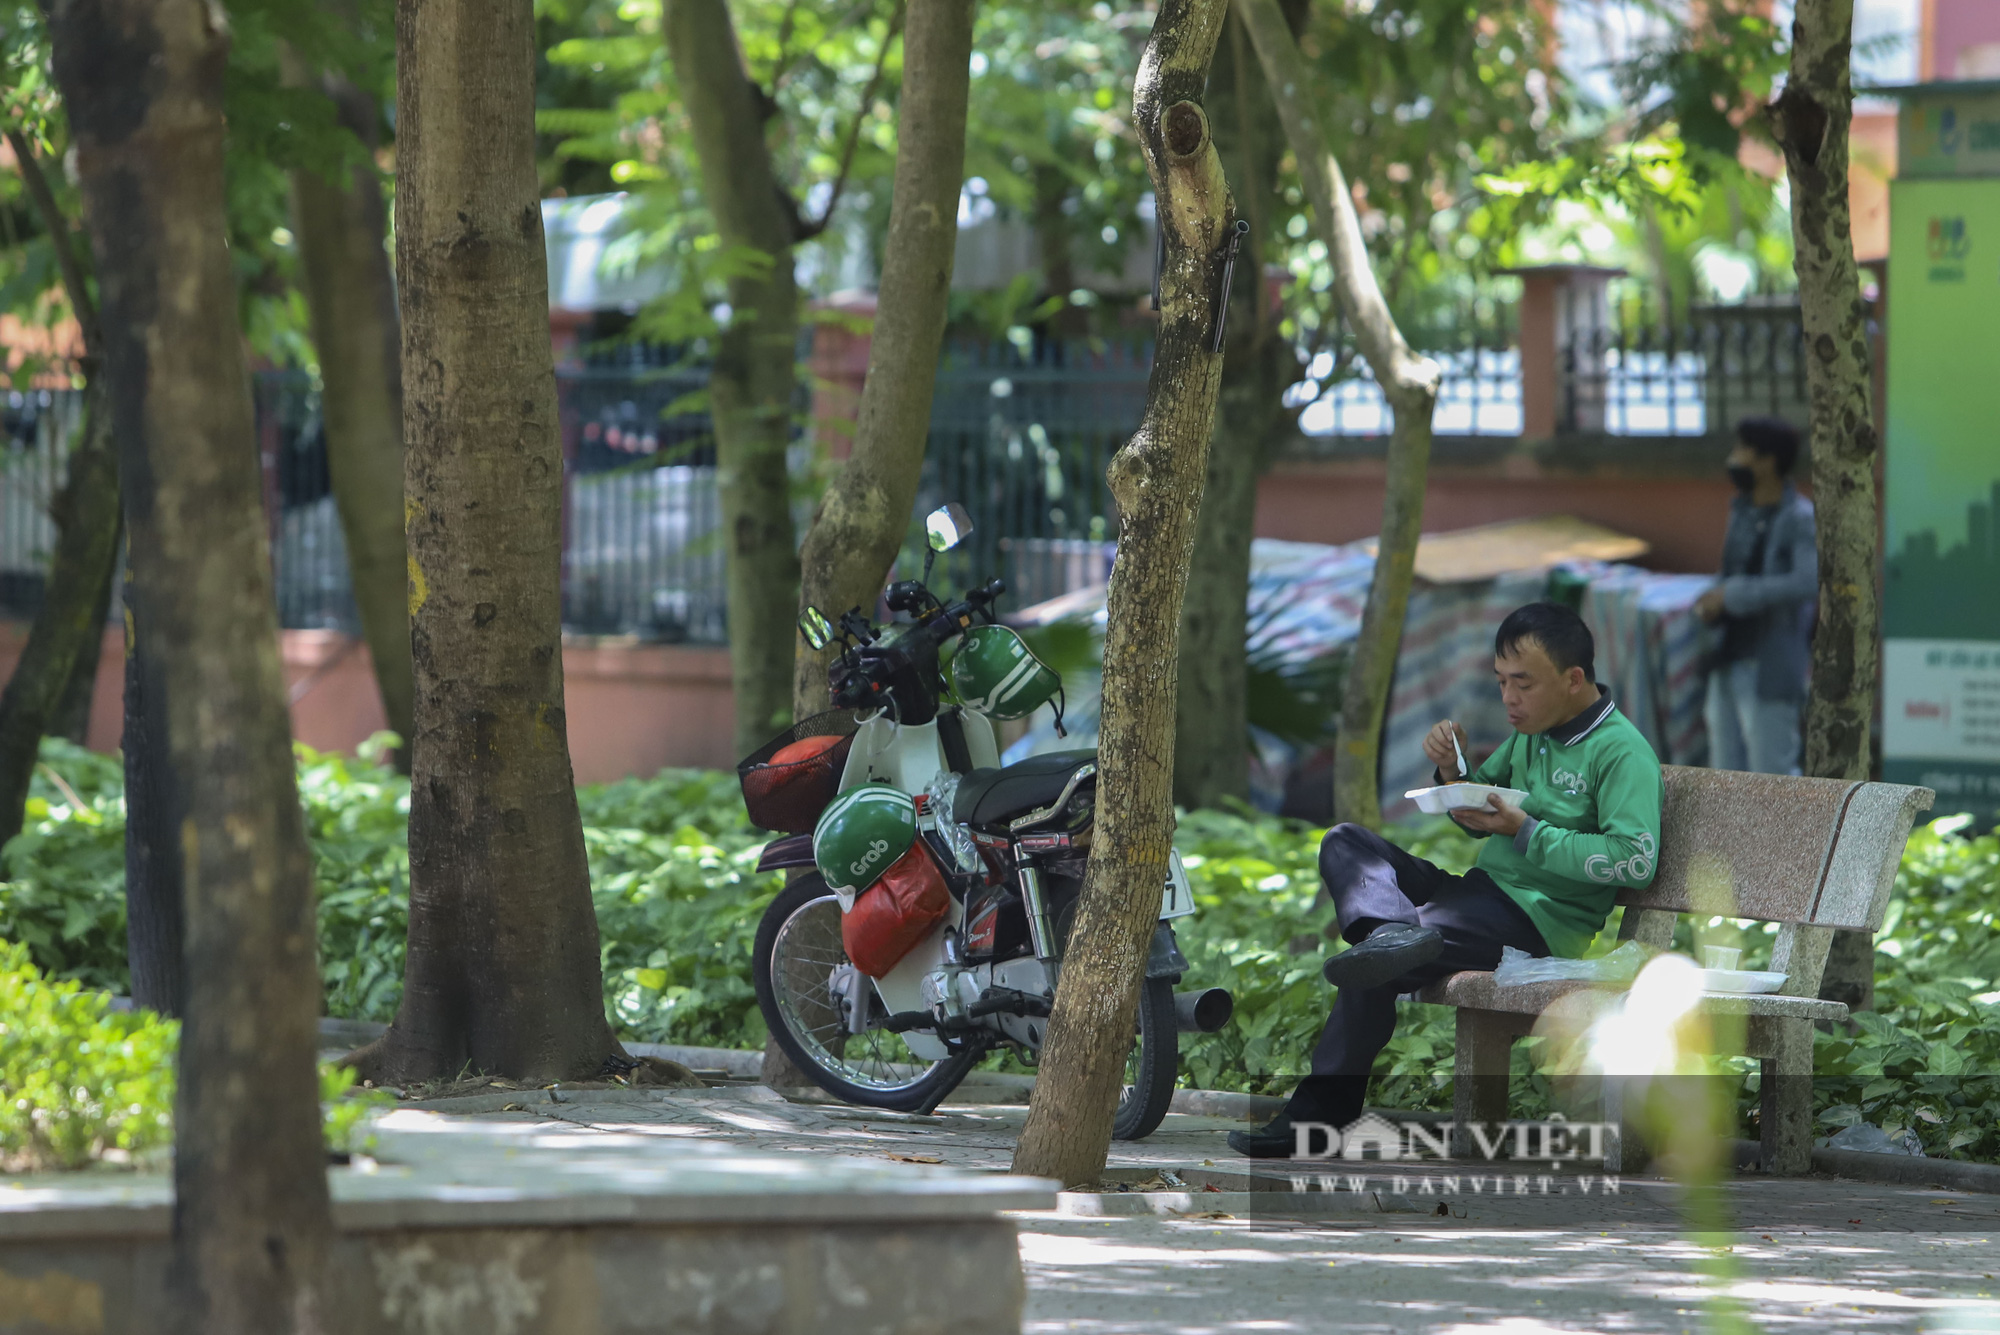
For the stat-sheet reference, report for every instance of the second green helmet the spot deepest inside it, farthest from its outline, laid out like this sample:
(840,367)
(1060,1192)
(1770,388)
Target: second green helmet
(996,674)
(861,833)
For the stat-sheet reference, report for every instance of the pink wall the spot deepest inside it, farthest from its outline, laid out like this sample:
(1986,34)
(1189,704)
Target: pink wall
(1952,26)
(632,708)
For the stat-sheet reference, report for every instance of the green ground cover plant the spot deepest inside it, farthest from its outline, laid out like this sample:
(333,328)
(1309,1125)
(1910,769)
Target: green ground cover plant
(673,875)
(85,1083)
(81,1081)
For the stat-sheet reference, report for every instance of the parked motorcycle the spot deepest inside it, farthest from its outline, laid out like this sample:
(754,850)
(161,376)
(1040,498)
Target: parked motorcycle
(942,885)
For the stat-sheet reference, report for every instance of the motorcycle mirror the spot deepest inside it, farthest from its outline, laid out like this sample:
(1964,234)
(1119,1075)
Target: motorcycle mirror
(947,526)
(817,630)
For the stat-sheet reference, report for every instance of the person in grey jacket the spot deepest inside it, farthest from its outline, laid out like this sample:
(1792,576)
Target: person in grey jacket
(1763,606)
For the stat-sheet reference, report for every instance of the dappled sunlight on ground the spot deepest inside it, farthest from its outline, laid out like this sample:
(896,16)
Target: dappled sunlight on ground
(1827,1255)
(1167,1277)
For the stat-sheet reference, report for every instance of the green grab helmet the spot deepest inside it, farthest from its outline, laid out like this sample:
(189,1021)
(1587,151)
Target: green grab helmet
(861,833)
(996,674)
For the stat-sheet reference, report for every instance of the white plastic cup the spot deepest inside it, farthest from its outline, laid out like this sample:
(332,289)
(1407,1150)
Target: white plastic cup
(1723,958)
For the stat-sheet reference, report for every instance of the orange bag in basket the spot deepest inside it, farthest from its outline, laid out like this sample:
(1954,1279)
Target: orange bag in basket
(891,916)
(805,749)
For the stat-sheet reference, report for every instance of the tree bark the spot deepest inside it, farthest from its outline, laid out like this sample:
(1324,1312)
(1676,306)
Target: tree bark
(502,970)
(753,384)
(71,720)
(343,236)
(142,82)
(865,512)
(155,940)
(1211,732)
(1410,384)
(1157,481)
(1811,119)
(69,626)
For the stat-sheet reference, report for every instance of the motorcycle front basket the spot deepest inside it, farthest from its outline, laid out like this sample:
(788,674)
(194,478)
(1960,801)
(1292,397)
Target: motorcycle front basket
(788,797)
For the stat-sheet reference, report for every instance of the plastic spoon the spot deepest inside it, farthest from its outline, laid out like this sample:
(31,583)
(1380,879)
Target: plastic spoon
(1464,771)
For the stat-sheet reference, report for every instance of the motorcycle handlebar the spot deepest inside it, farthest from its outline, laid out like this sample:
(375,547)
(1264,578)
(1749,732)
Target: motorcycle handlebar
(876,667)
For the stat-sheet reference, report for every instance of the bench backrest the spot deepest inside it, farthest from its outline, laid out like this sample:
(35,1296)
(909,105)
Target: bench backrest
(1777,848)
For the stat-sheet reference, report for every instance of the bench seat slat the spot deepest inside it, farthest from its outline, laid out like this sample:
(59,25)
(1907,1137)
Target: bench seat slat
(1478,991)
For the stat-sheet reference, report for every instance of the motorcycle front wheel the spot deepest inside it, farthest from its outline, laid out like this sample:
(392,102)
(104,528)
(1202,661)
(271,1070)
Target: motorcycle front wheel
(798,948)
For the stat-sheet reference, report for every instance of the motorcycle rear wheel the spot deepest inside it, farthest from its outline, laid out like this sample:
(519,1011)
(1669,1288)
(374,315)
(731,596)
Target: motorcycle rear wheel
(1153,1066)
(798,946)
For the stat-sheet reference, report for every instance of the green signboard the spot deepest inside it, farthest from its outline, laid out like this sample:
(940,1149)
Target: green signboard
(1941,608)
(1949,130)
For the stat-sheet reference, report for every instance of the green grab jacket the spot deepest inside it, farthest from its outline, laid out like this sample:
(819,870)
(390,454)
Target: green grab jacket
(1594,793)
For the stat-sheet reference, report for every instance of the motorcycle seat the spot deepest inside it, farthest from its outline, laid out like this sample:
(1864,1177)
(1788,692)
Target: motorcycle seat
(991,796)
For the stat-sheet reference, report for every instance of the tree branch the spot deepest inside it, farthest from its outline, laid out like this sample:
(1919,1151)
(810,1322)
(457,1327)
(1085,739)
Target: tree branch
(808,230)
(60,239)
(1409,382)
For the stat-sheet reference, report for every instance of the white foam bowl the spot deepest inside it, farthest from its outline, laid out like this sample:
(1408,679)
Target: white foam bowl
(1457,796)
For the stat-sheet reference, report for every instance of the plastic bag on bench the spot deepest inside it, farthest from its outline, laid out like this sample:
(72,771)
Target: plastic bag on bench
(1518,968)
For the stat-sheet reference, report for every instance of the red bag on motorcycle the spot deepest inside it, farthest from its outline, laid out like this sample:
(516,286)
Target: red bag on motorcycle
(891,916)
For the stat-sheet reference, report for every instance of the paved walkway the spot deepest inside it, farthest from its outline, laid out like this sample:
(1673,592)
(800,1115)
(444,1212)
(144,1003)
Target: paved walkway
(1442,1257)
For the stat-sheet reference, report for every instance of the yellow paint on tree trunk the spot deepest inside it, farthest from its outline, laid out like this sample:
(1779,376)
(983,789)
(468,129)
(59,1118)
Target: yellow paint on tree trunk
(420,589)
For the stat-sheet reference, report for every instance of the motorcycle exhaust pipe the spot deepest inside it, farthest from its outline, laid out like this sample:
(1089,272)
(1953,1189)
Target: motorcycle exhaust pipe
(1205,1011)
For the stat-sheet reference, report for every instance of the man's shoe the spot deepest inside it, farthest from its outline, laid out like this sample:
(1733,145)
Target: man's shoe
(1274,1140)
(1387,953)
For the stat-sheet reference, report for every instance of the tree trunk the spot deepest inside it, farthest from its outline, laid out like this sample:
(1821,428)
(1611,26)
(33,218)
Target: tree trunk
(865,512)
(1410,384)
(754,381)
(1211,732)
(71,721)
(502,970)
(69,626)
(154,893)
(1811,119)
(252,1223)
(343,234)
(1157,481)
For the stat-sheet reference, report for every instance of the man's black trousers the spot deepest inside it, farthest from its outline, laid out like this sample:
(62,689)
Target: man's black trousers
(1371,882)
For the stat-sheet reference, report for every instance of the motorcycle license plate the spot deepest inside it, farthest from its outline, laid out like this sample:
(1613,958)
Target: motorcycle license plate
(1178,901)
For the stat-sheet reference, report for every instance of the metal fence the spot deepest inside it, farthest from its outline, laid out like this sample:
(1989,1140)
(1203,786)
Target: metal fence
(1021,435)
(1022,438)
(1479,393)
(1638,374)
(1623,368)
(36,428)
(642,551)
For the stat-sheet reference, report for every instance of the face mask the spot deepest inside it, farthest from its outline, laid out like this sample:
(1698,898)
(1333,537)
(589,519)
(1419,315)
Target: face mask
(1744,478)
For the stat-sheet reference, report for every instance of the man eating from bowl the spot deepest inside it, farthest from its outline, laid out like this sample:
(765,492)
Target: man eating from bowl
(1550,867)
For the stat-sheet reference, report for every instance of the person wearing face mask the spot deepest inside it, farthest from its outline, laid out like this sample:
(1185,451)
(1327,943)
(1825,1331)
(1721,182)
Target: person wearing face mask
(1763,606)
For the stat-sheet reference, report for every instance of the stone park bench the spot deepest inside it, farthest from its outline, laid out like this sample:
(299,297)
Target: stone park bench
(1811,855)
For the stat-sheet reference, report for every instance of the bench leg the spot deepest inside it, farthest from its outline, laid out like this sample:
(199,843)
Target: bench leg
(1785,1099)
(1479,1074)
(1625,1151)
